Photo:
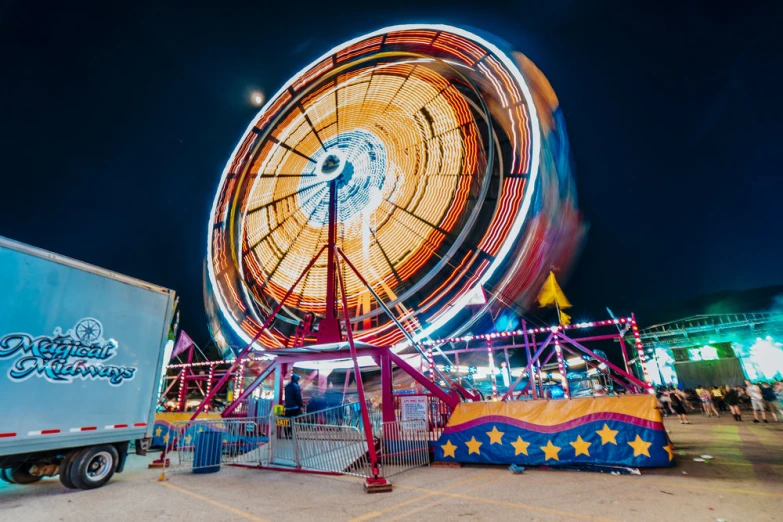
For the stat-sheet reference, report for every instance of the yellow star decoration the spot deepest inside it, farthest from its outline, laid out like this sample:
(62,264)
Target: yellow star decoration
(473,446)
(670,451)
(640,447)
(607,435)
(157,432)
(448,449)
(495,436)
(187,439)
(580,446)
(166,438)
(520,446)
(551,451)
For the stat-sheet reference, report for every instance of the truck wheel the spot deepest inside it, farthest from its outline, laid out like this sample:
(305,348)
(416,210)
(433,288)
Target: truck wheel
(65,470)
(21,475)
(92,467)
(5,475)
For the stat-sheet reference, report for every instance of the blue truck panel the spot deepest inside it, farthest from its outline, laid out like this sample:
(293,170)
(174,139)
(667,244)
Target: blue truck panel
(81,352)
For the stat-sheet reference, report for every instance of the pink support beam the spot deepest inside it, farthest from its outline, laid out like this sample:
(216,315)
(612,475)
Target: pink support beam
(493,379)
(323,380)
(246,350)
(347,383)
(407,334)
(529,368)
(357,371)
(625,353)
(246,393)
(561,367)
(530,362)
(591,364)
(387,389)
(329,326)
(434,389)
(595,356)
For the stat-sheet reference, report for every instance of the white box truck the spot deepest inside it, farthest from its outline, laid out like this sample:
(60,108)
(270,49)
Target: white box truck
(81,354)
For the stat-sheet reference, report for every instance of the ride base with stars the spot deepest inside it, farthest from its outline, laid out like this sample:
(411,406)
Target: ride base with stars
(602,431)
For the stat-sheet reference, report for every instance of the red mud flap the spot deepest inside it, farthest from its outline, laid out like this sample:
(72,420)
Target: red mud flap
(377,485)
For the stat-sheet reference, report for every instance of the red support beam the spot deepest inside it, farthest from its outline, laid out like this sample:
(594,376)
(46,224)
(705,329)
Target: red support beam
(595,356)
(407,334)
(246,393)
(357,370)
(530,362)
(625,353)
(387,389)
(246,350)
(591,364)
(329,326)
(418,377)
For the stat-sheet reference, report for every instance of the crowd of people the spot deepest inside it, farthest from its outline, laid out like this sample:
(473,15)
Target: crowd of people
(761,398)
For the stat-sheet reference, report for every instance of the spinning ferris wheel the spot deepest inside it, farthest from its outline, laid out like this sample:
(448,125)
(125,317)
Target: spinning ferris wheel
(408,171)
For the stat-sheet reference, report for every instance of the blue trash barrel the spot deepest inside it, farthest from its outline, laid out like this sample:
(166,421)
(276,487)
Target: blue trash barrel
(207,451)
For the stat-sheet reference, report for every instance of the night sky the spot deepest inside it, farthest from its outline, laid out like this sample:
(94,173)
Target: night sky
(116,122)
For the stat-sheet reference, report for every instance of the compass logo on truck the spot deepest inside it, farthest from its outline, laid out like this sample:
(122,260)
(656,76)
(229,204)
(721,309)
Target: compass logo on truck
(79,353)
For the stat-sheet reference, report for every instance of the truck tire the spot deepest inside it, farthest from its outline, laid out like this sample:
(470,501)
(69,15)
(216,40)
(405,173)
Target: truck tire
(5,475)
(22,475)
(93,467)
(65,470)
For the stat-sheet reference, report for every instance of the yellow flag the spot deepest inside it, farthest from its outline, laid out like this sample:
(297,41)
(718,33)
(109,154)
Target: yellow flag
(565,319)
(551,294)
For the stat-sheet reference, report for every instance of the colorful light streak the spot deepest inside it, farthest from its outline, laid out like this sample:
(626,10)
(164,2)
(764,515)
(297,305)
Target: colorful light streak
(395,106)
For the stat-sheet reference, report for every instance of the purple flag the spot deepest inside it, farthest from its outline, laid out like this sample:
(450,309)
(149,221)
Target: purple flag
(183,343)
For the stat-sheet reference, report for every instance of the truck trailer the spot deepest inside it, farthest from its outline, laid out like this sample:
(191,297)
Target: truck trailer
(81,355)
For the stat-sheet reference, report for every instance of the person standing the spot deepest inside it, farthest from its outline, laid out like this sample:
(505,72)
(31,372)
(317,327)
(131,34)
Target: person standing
(770,400)
(293,397)
(699,391)
(717,398)
(666,401)
(756,401)
(779,395)
(678,405)
(707,404)
(731,397)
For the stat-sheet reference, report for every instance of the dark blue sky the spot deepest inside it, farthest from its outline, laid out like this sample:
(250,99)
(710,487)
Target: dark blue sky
(116,121)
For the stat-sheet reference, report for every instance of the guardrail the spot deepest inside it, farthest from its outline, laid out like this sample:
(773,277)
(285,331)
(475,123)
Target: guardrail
(337,449)
(404,445)
(290,436)
(330,440)
(201,445)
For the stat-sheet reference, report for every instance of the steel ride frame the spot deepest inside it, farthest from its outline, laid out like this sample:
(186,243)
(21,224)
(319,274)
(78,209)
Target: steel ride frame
(559,342)
(329,331)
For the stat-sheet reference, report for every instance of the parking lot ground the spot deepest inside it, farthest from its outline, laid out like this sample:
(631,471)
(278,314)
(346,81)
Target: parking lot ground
(743,482)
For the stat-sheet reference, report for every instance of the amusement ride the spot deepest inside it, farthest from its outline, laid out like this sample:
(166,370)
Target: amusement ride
(400,188)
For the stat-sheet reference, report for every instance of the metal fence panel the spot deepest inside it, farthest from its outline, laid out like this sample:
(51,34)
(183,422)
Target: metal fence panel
(282,448)
(404,446)
(331,440)
(338,449)
(209,442)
